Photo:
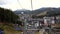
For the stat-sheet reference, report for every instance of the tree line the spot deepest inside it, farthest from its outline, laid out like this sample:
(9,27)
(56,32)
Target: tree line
(7,15)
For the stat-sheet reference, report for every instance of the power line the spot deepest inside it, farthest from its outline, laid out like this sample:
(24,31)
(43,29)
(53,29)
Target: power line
(19,4)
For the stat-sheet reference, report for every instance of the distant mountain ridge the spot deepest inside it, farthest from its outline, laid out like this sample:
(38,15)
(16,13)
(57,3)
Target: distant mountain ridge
(38,11)
(50,12)
(19,11)
(34,12)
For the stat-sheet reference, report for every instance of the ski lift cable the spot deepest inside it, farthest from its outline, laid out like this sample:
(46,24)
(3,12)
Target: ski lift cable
(19,4)
(22,7)
(31,5)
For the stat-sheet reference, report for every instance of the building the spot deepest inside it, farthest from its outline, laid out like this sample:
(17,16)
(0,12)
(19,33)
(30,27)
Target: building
(49,21)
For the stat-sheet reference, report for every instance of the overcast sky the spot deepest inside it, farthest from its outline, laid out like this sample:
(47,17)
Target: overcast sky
(26,4)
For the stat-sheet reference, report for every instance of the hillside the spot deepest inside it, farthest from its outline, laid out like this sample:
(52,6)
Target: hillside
(50,12)
(34,12)
(42,11)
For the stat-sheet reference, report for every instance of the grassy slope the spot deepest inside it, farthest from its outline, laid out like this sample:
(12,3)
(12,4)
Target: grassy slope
(9,30)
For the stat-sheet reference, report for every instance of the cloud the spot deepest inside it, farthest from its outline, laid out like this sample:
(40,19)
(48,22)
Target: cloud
(13,4)
(2,2)
(26,4)
(10,4)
